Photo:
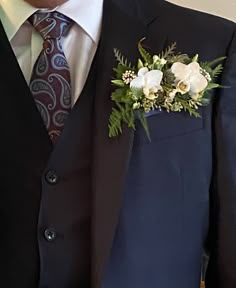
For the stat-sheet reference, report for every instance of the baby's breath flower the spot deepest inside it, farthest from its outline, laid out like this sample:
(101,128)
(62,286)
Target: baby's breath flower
(177,106)
(128,76)
(172,95)
(167,104)
(193,104)
(134,97)
(149,105)
(206,74)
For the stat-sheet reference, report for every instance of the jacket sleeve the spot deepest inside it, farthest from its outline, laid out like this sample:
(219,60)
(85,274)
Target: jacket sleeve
(222,237)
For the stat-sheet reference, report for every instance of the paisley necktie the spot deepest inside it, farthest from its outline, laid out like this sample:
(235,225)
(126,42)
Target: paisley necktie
(50,82)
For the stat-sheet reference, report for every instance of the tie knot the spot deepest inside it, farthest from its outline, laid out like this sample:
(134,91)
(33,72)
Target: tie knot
(50,25)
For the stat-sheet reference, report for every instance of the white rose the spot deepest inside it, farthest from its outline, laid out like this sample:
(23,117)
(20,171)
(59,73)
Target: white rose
(191,76)
(148,81)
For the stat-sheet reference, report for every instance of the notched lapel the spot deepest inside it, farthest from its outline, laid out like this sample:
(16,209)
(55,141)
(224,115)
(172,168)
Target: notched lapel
(111,156)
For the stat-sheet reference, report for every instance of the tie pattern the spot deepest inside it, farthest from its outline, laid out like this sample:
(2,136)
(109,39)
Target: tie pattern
(50,82)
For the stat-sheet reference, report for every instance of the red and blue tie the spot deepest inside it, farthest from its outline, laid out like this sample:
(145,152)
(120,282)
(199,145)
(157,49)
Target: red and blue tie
(50,82)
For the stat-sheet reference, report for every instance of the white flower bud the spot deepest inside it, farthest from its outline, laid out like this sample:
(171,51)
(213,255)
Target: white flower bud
(156,59)
(163,61)
(136,106)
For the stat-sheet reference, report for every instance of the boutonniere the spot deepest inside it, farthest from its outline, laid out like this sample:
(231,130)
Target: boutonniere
(168,81)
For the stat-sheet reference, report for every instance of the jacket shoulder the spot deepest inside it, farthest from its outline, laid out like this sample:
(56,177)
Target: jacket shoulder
(149,10)
(197,18)
(194,31)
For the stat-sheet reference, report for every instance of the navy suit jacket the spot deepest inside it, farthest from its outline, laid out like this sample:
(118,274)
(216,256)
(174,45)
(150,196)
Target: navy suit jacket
(156,205)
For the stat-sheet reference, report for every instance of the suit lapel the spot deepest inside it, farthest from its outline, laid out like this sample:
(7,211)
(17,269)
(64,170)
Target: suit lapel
(111,156)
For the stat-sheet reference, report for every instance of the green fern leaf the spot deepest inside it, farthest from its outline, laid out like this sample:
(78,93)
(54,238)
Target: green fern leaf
(169,51)
(144,123)
(118,83)
(217,71)
(211,86)
(145,55)
(121,59)
(115,123)
(216,61)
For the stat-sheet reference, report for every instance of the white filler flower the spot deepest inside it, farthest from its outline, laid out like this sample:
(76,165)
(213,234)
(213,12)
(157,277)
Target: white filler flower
(189,78)
(149,81)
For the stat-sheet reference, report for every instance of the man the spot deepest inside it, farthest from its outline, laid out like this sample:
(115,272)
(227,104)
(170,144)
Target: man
(79,209)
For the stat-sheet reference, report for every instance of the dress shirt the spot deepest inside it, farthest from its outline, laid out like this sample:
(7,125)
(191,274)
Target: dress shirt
(79,45)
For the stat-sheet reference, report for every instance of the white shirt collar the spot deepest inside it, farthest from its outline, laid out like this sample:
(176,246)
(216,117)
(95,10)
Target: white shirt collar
(87,14)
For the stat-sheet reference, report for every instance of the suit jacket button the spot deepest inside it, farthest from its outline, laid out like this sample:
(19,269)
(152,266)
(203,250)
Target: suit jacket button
(50,235)
(51,177)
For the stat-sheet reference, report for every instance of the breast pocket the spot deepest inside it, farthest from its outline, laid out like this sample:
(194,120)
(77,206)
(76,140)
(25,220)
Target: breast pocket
(164,125)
